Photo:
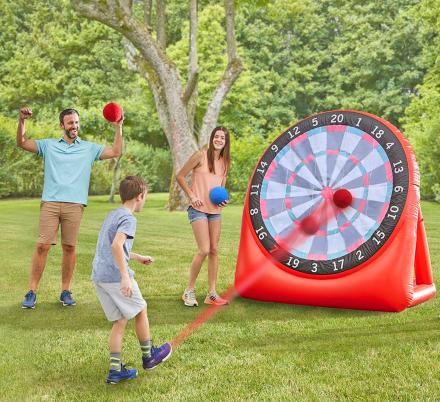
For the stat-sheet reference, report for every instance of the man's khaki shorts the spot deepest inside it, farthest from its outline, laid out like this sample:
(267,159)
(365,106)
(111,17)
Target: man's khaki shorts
(54,214)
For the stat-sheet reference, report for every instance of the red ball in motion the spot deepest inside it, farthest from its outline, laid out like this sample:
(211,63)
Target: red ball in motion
(112,112)
(309,225)
(342,198)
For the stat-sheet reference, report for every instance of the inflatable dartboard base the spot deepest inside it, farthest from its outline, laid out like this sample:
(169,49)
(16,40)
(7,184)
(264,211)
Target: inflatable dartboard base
(370,254)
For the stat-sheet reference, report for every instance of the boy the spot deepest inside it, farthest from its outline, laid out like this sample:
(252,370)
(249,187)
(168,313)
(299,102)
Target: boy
(117,290)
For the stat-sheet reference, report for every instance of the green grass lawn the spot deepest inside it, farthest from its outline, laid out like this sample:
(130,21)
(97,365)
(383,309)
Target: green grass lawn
(248,351)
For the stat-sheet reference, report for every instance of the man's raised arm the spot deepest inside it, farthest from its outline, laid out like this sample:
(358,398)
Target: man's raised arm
(22,141)
(116,149)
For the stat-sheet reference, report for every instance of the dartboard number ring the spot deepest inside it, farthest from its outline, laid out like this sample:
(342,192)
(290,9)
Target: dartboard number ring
(305,165)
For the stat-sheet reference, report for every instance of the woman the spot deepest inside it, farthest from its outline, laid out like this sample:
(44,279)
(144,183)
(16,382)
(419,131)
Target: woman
(209,168)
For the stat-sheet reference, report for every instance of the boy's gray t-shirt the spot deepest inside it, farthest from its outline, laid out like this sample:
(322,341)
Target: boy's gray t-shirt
(104,266)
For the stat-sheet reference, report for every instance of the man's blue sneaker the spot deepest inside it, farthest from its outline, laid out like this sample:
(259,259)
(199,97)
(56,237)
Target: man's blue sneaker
(30,299)
(158,355)
(67,299)
(115,376)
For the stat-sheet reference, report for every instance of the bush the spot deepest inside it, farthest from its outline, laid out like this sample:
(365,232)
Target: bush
(427,148)
(101,177)
(152,164)
(245,153)
(21,172)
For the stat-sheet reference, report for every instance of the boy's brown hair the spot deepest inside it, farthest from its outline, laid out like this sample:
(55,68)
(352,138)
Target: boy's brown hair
(131,187)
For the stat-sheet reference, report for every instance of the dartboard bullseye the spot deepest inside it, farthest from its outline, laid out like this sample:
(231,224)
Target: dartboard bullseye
(348,160)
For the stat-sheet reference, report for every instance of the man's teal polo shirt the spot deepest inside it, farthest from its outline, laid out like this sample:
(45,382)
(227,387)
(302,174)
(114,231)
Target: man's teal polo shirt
(67,169)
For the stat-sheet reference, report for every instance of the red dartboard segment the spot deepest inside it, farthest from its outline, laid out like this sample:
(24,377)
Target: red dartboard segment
(305,170)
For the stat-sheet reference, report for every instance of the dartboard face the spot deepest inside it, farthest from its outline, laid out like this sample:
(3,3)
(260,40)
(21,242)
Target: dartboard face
(338,151)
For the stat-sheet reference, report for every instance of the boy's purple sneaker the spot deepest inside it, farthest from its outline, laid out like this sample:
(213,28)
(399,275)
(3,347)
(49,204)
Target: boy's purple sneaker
(158,355)
(115,376)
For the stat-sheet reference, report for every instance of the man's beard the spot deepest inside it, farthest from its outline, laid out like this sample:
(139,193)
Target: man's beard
(70,134)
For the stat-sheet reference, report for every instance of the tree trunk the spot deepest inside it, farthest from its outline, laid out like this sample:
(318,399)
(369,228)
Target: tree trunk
(177,200)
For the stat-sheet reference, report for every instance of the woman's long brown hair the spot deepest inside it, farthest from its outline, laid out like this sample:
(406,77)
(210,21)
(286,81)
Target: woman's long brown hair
(224,153)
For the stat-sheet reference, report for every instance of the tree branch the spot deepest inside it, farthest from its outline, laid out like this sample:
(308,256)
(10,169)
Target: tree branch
(147,14)
(128,6)
(190,87)
(130,55)
(193,74)
(161,23)
(230,31)
(233,70)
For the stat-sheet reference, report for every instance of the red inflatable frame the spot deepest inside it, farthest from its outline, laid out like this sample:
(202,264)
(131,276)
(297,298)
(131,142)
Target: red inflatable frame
(398,276)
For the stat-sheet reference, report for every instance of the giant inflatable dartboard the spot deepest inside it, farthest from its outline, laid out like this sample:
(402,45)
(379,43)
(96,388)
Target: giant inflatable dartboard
(352,176)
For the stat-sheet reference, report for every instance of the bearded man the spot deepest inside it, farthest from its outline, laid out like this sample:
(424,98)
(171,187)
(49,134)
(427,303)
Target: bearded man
(68,163)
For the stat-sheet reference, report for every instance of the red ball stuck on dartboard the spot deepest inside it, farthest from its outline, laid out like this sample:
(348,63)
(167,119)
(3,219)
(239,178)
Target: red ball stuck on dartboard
(342,198)
(309,225)
(112,112)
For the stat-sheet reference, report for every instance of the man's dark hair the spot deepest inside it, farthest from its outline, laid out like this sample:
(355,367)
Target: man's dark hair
(66,112)
(131,187)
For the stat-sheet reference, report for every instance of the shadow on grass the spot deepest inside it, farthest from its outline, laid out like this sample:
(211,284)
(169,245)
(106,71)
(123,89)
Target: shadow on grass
(171,310)
(165,310)
(53,315)
(363,328)
(352,338)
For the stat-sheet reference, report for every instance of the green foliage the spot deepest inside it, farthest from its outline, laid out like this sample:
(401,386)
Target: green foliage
(101,177)
(21,172)
(310,56)
(426,141)
(436,191)
(423,114)
(374,51)
(152,164)
(246,151)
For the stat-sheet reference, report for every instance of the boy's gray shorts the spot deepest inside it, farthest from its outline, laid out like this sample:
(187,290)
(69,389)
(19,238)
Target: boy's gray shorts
(116,306)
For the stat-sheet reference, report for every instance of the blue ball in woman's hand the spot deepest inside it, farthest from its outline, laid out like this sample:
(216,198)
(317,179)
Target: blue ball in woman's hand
(219,194)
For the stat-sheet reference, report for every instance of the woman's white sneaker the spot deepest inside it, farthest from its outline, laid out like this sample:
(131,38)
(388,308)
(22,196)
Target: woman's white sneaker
(189,298)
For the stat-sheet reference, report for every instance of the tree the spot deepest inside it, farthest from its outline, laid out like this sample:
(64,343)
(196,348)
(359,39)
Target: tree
(306,56)
(175,102)
(423,114)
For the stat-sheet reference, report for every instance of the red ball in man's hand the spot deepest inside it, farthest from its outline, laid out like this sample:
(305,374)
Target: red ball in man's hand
(112,112)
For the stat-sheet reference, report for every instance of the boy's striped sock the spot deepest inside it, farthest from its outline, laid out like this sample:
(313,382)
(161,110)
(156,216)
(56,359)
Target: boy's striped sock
(115,361)
(146,348)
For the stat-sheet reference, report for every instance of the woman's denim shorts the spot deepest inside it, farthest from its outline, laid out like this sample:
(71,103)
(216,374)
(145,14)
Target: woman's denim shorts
(195,215)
